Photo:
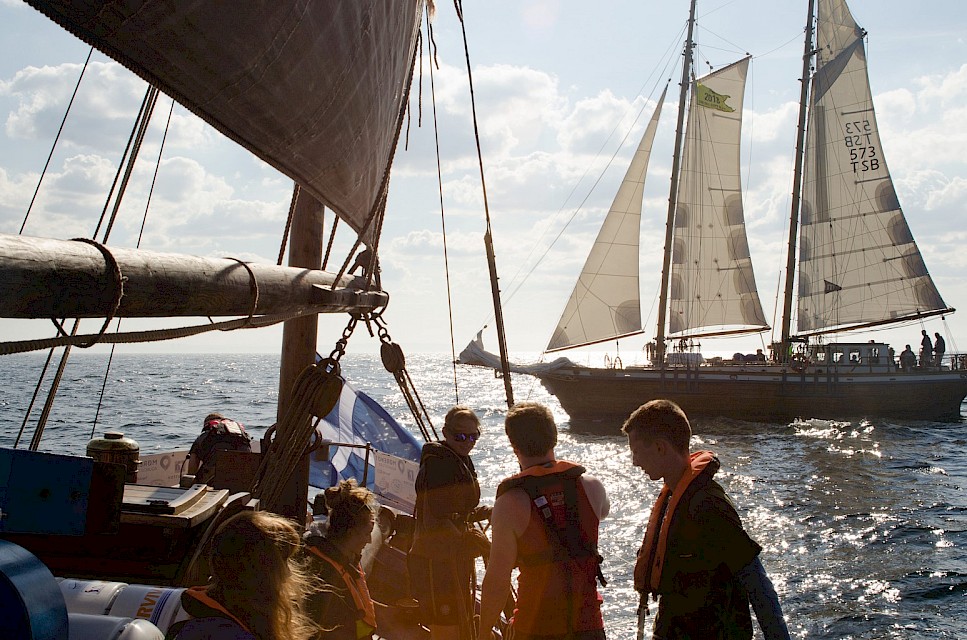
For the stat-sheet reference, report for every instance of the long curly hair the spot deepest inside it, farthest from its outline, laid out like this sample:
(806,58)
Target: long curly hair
(257,576)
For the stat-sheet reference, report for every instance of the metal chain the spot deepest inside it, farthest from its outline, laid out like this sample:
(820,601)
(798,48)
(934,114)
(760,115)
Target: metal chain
(340,349)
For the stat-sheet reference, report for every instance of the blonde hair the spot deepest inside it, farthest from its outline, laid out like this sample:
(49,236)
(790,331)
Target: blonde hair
(460,411)
(257,576)
(348,505)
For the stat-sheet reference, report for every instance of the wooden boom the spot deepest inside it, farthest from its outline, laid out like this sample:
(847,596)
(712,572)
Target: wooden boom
(45,278)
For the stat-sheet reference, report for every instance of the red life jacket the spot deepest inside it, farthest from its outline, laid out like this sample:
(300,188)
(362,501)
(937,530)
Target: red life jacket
(651,556)
(557,553)
(359,590)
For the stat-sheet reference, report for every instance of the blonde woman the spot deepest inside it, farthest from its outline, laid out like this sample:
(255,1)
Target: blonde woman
(441,560)
(257,585)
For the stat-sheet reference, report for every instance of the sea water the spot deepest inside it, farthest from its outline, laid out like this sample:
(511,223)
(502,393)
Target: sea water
(863,524)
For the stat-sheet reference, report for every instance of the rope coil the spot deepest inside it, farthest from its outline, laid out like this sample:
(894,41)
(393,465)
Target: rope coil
(118,279)
(253,286)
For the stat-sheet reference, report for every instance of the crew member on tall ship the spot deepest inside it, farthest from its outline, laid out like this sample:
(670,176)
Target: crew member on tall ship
(939,348)
(441,560)
(545,521)
(908,359)
(696,558)
(257,588)
(926,350)
(345,609)
(218,433)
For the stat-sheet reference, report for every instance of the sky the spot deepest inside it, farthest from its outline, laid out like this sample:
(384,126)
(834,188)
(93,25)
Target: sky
(562,92)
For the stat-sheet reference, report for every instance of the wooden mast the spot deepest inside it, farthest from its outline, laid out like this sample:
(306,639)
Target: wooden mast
(299,338)
(673,191)
(783,355)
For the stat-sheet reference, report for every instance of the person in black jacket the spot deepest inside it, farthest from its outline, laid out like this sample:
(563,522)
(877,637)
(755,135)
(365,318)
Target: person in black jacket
(696,558)
(218,433)
(441,559)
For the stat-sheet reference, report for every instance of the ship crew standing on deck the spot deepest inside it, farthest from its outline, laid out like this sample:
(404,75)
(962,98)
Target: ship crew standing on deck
(345,609)
(441,559)
(908,359)
(696,558)
(545,521)
(939,348)
(926,349)
(257,586)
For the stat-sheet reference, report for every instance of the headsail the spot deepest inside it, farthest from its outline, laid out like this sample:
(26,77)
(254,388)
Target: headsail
(858,262)
(712,286)
(313,88)
(605,302)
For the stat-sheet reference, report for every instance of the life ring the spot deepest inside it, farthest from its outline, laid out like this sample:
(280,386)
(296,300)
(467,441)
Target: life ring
(799,362)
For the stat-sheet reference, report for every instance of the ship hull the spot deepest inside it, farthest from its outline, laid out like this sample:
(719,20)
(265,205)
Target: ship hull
(769,393)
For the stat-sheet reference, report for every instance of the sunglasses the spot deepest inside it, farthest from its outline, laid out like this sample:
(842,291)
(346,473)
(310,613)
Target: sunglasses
(463,437)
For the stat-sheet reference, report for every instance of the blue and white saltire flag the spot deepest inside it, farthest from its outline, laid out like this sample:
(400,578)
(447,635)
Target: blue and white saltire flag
(358,419)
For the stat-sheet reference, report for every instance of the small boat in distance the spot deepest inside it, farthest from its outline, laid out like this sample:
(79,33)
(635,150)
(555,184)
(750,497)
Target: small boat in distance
(858,265)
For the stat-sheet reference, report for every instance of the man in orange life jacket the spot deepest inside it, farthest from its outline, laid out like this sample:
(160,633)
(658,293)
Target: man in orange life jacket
(545,521)
(696,558)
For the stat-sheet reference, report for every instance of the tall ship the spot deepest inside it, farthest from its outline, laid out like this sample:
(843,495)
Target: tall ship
(852,263)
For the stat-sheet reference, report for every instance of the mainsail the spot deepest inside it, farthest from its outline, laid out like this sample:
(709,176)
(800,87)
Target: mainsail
(712,288)
(605,302)
(858,263)
(314,88)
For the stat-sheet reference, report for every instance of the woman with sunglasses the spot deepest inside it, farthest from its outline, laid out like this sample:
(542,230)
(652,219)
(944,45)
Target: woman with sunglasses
(445,543)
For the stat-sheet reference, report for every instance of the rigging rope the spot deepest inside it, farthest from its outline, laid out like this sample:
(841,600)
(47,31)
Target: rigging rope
(314,393)
(394,362)
(288,222)
(133,145)
(56,140)
(443,221)
(144,220)
(156,335)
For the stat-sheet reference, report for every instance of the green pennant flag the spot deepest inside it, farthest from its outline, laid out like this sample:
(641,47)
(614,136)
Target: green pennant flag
(705,97)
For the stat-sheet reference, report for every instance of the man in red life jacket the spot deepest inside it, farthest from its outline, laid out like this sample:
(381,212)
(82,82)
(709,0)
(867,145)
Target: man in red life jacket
(696,559)
(218,433)
(545,521)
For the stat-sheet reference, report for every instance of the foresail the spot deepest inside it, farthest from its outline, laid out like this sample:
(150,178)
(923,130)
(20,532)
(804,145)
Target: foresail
(605,302)
(313,88)
(712,287)
(858,262)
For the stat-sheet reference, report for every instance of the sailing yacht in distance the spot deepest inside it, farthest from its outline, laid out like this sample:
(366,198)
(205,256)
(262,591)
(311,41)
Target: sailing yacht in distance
(858,265)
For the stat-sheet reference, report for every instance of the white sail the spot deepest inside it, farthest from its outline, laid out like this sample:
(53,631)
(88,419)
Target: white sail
(605,301)
(712,288)
(858,262)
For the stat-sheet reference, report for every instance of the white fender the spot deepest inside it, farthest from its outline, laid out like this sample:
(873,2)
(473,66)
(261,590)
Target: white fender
(159,605)
(85,626)
(94,597)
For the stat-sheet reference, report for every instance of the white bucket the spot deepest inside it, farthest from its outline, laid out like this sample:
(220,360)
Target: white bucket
(89,596)
(159,605)
(83,626)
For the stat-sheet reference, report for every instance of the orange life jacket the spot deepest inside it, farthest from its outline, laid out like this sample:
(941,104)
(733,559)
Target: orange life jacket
(201,595)
(366,610)
(651,556)
(557,590)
